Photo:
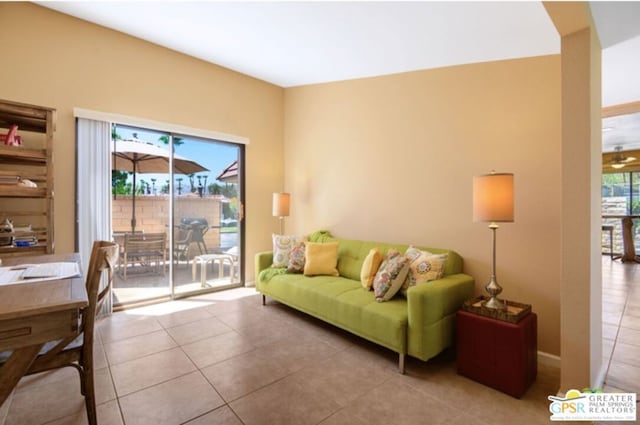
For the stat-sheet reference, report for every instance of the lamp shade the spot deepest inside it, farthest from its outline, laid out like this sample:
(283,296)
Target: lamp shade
(281,204)
(493,197)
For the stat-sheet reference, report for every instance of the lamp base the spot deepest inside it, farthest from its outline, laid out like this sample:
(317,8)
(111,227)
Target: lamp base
(493,289)
(281,225)
(495,304)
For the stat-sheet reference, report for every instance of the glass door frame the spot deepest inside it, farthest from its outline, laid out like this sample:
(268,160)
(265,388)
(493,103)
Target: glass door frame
(240,280)
(241,219)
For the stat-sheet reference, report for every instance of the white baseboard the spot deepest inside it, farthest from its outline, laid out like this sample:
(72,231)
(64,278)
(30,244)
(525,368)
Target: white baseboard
(554,361)
(548,359)
(251,284)
(602,374)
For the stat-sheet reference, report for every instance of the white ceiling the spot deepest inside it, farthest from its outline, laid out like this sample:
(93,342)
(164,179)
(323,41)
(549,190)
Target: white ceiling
(296,43)
(618,25)
(622,130)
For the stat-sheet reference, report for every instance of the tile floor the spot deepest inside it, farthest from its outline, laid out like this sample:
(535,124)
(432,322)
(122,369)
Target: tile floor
(224,358)
(621,324)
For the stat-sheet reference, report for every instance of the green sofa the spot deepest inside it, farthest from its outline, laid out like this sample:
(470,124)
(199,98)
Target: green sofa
(420,325)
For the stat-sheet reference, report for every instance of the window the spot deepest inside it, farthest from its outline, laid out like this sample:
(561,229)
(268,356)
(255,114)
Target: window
(620,197)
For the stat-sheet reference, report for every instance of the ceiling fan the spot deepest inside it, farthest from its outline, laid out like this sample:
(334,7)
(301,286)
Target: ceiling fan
(619,160)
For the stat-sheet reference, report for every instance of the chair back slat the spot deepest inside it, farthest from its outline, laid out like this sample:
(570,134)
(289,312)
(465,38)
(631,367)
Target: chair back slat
(104,256)
(143,247)
(145,243)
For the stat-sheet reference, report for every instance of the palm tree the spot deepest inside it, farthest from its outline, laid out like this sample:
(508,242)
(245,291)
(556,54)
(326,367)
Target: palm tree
(177,141)
(114,133)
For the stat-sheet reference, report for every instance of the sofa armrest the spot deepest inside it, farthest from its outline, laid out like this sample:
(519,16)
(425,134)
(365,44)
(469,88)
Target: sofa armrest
(263,260)
(432,308)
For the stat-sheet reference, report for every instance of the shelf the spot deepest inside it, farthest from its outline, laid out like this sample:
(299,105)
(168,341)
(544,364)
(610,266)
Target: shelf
(23,213)
(40,248)
(33,232)
(23,155)
(26,117)
(15,191)
(34,163)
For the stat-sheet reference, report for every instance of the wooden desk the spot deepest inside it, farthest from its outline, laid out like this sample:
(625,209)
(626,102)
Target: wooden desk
(628,244)
(32,314)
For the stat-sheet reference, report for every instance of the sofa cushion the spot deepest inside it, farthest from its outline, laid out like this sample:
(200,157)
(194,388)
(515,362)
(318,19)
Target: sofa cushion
(370,267)
(282,246)
(390,276)
(343,303)
(321,259)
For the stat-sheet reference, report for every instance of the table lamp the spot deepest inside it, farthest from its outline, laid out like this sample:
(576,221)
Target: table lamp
(281,203)
(493,203)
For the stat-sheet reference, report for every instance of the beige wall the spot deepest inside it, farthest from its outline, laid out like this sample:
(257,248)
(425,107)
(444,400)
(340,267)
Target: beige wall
(388,158)
(55,60)
(392,159)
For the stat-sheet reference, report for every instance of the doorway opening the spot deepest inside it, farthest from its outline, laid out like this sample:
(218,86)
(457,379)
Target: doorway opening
(176,214)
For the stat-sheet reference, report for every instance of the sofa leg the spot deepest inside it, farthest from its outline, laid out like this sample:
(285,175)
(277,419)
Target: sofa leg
(401,363)
(263,300)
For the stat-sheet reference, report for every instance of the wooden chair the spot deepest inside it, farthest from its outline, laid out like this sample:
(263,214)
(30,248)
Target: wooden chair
(143,249)
(78,352)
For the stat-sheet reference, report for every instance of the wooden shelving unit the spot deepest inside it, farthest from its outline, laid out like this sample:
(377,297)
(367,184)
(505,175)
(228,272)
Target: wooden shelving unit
(33,161)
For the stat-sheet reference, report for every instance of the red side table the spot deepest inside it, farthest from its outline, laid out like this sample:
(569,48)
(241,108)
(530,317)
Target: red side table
(497,353)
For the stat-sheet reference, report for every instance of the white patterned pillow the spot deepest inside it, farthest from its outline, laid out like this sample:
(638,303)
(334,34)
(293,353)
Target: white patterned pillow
(424,267)
(282,246)
(390,276)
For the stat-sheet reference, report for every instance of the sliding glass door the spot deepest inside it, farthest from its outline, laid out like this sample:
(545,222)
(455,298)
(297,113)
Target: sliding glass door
(206,217)
(176,214)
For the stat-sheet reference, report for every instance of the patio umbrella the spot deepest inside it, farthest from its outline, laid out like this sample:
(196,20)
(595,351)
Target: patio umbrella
(144,157)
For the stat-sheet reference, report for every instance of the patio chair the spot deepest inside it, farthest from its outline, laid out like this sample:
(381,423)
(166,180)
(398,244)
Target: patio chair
(143,249)
(118,237)
(182,239)
(200,226)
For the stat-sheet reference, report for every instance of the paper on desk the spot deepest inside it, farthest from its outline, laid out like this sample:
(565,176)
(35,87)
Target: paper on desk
(28,273)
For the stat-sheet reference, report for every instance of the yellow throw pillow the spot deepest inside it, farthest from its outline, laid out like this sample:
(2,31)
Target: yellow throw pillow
(370,267)
(321,259)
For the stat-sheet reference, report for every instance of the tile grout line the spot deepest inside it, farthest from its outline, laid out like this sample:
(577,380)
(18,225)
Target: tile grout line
(628,292)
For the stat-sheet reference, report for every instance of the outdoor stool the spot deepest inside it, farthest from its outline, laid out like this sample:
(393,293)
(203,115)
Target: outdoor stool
(205,259)
(609,228)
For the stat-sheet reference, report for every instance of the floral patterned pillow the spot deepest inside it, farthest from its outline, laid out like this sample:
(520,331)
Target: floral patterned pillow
(390,276)
(424,267)
(282,246)
(296,259)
